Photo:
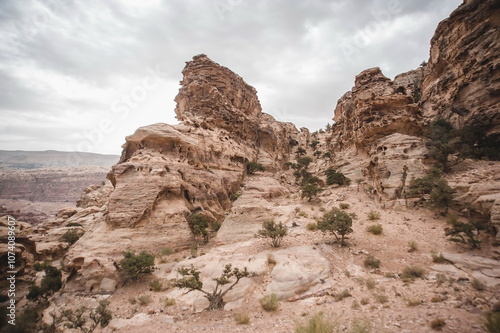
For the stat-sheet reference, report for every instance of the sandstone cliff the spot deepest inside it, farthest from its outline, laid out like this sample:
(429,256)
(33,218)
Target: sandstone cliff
(462,79)
(167,172)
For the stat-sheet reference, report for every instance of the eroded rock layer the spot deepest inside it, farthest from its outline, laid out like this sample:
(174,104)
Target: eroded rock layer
(462,81)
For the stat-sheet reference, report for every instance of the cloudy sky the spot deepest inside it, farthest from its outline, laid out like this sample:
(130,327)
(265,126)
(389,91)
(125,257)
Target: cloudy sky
(81,75)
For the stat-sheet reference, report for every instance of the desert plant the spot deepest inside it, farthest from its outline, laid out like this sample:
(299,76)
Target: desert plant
(50,283)
(361,325)
(156,285)
(344,205)
(316,324)
(438,257)
(144,300)
(338,223)
(253,167)
(71,236)
(437,324)
(300,152)
(41,265)
(304,161)
(334,177)
(314,144)
(341,295)
(74,224)
(241,318)
(134,266)
(270,302)
(273,232)
(371,262)
(327,155)
(432,185)
(373,215)
(310,190)
(191,280)
(436,299)
(101,315)
(198,224)
(465,234)
(271,261)
(169,302)
(370,283)
(166,251)
(478,285)
(375,229)
(312,226)
(492,322)
(364,301)
(381,298)
(413,302)
(412,246)
(412,272)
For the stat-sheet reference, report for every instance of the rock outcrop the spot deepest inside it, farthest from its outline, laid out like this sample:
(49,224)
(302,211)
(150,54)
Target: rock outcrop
(375,107)
(462,79)
(166,172)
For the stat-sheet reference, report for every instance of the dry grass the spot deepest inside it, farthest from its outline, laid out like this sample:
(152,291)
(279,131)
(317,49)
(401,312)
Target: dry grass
(375,229)
(270,302)
(241,318)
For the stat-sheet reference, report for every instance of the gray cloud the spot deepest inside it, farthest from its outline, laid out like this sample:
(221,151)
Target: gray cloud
(72,59)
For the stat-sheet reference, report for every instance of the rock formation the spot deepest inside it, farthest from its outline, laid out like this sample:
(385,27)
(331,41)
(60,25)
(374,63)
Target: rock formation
(462,79)
(167,172)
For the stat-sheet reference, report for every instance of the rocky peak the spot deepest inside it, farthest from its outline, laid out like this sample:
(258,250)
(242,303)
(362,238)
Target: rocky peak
(214,96)
(375,107)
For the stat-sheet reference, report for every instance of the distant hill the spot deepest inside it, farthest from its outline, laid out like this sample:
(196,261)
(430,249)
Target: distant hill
(19,159)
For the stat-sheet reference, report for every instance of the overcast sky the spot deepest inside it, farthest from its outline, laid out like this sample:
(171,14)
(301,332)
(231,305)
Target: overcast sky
(81,75)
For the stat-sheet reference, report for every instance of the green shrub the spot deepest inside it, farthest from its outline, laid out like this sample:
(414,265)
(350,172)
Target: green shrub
(144,300)
(50,283)
(166,251)
(478,285)
(338,223)
(156,285)
(438,191)
(370,283)
(412,246)
(361,325)
(300,151)
(273,232)
(438,258)
(74,224)
(270,302)
(375,229)
(304,161)
(134,266)
(169,302)
(310,190)
(198,224)
(492,322)
(101,314)
(437,324)
(464,233)
(40,266)
(344,205)
(312,226)
(412,272)
(316,324)
(341,295)
(371,262)
(334,177)
(314,143)
(241,318)
(253,167)
(373,215)
(71,236)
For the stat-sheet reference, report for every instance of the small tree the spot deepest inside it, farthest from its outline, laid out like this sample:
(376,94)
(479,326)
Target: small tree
(198,224)
(71,236)
(310,190)
(334,177)
(135,266)
(300,152)
(304,161)
(191,280)
(273,232)
(51,282)
(314,143)
(253,167)
(464,233)
(338,223)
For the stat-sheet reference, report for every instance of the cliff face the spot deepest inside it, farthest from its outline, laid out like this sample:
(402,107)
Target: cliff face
(166,172)
(462,81)
(376,107)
